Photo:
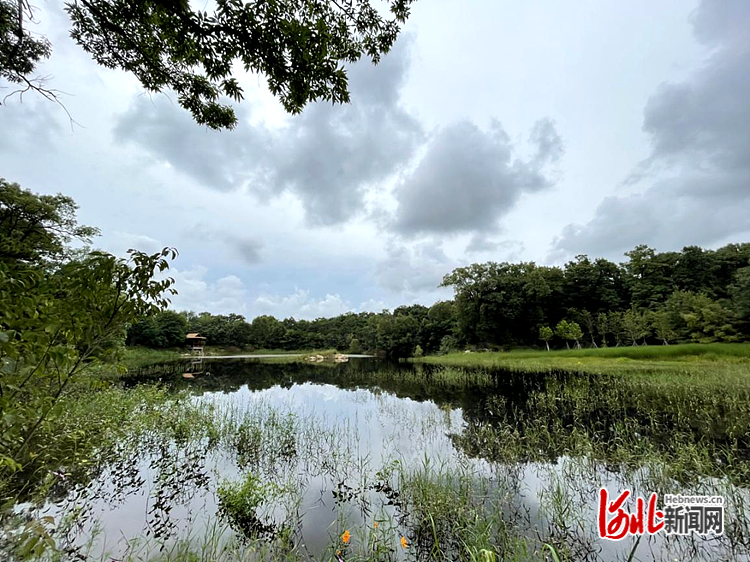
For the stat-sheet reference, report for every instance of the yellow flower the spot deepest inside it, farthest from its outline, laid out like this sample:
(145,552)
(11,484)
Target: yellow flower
(338,553)
(345,537)
(404,543)
(375,524)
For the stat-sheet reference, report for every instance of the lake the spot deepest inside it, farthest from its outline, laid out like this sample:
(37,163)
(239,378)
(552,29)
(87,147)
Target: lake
(367,460)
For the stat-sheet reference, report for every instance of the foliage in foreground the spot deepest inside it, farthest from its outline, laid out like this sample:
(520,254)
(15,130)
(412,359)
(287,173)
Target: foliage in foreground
(62,312)
(300,46)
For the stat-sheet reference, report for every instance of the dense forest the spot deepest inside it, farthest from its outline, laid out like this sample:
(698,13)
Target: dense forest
(693,295)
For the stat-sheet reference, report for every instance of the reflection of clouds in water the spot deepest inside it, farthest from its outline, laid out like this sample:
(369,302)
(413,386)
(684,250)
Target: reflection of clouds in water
(363,431)
(375,418)
(346,436)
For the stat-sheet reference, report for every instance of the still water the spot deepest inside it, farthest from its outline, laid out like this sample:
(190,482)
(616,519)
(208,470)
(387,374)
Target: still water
(281,460)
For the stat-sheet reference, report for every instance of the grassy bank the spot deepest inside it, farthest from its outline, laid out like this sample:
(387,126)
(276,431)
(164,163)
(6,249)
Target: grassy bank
(330,351)
(686,359)
(139,356)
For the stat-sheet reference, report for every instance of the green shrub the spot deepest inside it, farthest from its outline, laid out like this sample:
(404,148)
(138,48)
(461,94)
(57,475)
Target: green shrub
(239,503)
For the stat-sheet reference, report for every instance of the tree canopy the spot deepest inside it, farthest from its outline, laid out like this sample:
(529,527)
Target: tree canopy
(37,228)
(300,46)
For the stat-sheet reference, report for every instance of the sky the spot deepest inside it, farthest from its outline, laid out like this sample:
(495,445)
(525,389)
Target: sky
(493,131)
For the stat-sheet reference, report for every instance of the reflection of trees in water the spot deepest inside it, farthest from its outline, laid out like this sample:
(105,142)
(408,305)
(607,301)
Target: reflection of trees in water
(638,435)
(515,421)
(531,417)
(176,468)
(617,419)
(228,376)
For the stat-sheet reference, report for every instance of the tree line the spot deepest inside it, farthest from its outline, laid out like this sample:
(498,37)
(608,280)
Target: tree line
(401,333)
(692,295)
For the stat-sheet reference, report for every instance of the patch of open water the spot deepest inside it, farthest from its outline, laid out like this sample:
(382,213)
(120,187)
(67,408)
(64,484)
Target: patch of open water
(340,448)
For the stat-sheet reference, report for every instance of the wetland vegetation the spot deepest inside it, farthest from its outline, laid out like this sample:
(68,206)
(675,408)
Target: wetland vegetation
(705,362)
(253,460)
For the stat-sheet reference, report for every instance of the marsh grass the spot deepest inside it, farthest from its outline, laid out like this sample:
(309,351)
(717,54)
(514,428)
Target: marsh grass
(685,351)
(677,432)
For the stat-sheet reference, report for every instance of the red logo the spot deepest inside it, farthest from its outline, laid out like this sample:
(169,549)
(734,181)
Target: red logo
(615,523)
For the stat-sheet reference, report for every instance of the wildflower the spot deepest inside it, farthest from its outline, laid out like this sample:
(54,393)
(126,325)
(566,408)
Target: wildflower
(404,542)
(375,524)
(346,536)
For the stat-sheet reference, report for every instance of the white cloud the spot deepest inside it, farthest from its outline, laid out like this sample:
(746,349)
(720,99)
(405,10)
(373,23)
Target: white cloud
(410,270)
(300,305)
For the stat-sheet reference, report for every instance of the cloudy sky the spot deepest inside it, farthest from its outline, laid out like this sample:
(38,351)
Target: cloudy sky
(499,131)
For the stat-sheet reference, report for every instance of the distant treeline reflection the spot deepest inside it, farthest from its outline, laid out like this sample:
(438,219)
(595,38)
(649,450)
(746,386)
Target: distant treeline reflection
(699,430)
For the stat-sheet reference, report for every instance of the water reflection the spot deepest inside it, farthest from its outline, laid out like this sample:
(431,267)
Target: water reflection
(314,450)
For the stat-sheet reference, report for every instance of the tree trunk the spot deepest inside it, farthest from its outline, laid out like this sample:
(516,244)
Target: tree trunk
(547,344)
(567,344)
